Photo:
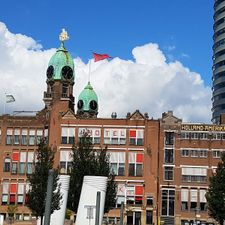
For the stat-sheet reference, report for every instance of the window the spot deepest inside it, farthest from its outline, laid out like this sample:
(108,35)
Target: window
(30,161)
(184,199)
(135,164)
(169,138)
(22,166)
(31,137)
(121,189)
(217,153)
(169,158)
(5,193)
(15,160)
(65,161)
(7,165)
(149,201)
(68,135)
(115,136)
(39,135)
(184,152)
(193,199)
(16,136)
(95,134)
(168,198)
(194,153)
(194,174)
(149,217)
(203,153)
(9,136)
(20,193)
(24,137)
(136,137)
(185,135)
(134,195)
(202,199)
(13,191)
(168,173)
(117,162)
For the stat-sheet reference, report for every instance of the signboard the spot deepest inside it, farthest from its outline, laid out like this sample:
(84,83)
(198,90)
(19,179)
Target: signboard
(202,127)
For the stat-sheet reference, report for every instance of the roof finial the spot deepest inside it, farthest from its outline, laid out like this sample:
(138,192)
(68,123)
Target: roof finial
(63,36)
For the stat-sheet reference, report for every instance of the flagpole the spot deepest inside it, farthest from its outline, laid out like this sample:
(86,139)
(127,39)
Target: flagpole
(89,71)
(4,103)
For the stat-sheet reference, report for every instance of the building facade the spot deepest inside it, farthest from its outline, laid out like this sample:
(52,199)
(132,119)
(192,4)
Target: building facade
(218,89)
(162,166)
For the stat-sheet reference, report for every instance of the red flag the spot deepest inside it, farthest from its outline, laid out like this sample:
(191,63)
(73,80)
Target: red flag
(98,57)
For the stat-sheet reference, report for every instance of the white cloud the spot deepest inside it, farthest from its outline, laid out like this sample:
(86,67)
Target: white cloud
(148,82)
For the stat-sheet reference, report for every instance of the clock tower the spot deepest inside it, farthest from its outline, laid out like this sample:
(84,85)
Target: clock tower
(60,77)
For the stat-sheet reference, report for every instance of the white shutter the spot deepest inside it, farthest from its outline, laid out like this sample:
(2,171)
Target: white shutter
(64,132)
(20,189)
(46,132)
(113,157)
(63,156)
(184,195)
(194,171)
(121,157)
(130,191)
(32,132)
(194,195)
(30,157)
(140,133)
(121,189)
(17,132)
(39,132)
(23,156)
(132,157)
(120,199)
(69,156)
(71,132)
(107,133)
(9,131)
(202,195)
(96,133)
(24,132)
(5,189)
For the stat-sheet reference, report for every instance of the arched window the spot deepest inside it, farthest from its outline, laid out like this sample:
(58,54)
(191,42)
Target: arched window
(7,164)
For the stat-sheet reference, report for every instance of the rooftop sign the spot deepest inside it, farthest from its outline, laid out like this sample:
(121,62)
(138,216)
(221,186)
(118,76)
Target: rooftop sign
(202,127)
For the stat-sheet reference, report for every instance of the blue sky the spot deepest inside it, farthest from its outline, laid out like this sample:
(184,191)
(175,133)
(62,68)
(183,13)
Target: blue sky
(159,49)
(183,29)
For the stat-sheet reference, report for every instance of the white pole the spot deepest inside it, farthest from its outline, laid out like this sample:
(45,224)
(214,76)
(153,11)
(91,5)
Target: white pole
(4,103)
(89,71)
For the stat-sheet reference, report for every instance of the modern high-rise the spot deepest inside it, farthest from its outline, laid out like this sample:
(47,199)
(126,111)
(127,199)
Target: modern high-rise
(218,89)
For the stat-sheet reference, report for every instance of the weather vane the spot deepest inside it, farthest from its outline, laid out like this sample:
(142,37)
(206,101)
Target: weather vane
(63,36)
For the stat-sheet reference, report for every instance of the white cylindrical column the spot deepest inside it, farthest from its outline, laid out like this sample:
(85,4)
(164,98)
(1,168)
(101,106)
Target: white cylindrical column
(58,216)
(87,204)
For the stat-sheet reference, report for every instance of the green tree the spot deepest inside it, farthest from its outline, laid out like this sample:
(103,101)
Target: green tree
(38,182)
(88,161)
(216,193)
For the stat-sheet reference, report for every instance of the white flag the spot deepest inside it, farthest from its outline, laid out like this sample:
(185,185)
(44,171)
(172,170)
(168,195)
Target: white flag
(10,98)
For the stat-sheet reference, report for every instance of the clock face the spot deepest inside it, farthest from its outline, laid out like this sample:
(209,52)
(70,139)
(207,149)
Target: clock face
(50,72)
(80,104)
(67,72)
(93,105)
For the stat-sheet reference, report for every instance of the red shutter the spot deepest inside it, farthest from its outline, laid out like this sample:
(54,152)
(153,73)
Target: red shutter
(15,156)
(138,190)
(13,188)
(12,198)
(132,133)
(139,158)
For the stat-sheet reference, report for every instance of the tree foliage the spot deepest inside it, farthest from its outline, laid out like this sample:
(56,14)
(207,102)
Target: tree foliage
(88,161)
(38,182)
(216,193)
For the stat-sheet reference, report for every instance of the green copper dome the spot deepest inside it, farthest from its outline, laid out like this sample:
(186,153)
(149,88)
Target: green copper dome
(88,100)
(61,65)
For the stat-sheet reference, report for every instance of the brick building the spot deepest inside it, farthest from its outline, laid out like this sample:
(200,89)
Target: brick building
(162,165)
